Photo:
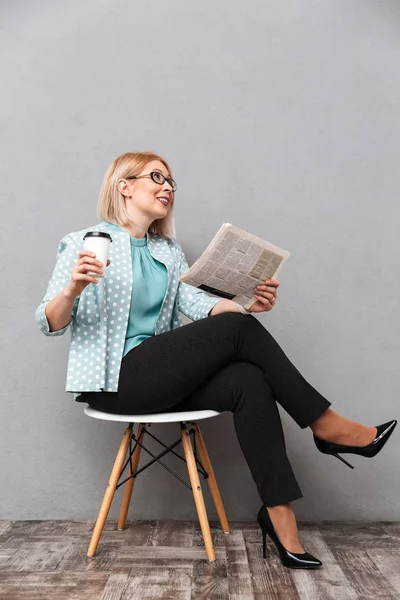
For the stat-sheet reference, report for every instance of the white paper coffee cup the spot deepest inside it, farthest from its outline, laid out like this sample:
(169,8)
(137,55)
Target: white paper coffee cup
(99,243)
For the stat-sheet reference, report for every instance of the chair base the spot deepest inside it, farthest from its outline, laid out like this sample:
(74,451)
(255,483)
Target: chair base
(195,464)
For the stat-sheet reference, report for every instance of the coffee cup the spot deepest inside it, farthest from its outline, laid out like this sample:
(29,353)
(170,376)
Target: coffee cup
(99,243)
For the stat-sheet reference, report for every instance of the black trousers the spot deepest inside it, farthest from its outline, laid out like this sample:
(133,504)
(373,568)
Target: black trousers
(227,362)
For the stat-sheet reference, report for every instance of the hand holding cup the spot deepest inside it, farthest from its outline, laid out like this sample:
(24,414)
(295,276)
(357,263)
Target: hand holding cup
(80,277)
(89,267)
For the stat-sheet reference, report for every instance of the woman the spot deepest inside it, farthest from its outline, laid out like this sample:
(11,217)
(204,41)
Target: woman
(130,354)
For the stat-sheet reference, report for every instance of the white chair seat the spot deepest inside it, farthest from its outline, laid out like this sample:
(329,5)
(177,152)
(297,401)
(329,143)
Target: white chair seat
(167,417)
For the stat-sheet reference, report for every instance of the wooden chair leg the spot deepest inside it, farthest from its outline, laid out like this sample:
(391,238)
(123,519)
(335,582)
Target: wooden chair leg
(197,493)
(133,465)
(212,482)
(110,491)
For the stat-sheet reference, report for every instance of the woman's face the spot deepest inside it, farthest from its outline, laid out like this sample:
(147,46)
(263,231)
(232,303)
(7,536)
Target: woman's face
(146,195)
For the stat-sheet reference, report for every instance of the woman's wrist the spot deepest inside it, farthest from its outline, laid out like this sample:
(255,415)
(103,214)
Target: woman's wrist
(241,309)
(225,305)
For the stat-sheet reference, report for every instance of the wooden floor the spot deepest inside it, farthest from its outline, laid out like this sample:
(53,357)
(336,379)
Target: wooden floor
(166,559)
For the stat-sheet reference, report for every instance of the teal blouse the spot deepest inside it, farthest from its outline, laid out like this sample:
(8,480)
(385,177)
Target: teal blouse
(150,279)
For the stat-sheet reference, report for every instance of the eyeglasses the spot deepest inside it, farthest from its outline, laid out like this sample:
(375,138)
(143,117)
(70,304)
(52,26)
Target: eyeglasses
(157,177)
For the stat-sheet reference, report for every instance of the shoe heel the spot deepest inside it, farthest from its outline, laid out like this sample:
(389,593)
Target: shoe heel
(264,534)
(342,459)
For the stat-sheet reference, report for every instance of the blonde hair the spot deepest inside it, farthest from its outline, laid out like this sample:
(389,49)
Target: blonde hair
(111,205)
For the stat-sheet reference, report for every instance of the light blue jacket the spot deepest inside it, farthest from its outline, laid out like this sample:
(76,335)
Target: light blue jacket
(99,318)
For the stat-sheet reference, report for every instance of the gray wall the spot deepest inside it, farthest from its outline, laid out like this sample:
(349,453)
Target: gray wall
(279,117)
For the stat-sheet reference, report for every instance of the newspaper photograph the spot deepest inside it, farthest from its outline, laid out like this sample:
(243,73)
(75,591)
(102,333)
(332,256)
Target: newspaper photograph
(233,263)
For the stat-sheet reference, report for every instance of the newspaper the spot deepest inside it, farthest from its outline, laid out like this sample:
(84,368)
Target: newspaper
(233,263)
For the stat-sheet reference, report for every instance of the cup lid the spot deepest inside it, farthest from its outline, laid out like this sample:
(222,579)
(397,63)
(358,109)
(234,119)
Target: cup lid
(97,234)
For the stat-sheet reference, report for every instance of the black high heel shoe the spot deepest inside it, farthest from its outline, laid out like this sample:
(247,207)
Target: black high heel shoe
(304,560)
(384,432)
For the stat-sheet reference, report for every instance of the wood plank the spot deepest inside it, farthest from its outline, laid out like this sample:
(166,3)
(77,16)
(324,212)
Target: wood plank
(169,562)
(37,556)
(11,544)
(240,583)
(24,527)
(174,533)
(270,578)
(393,531)
(350,535)
(366,578)
(60,527)
(129,554)
(4,527)
(76,559)
(306,586)
(30,527)
(160,583)
(8,548)
(52,529)
(329,582)
(393,528)
(167,559)
(209,580)
(115,586)
(141,533)
(217,535)
(388,563)
(55,586)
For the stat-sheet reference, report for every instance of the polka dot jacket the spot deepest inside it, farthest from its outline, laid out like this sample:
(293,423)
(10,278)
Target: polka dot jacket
(99,318)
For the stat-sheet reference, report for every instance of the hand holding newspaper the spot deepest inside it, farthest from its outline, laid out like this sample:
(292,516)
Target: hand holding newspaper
(233,263)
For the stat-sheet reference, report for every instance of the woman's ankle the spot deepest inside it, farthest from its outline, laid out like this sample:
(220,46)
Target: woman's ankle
(284,522)
(332,427)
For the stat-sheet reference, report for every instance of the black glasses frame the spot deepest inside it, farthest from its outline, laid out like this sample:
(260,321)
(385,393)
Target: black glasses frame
(153,176)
